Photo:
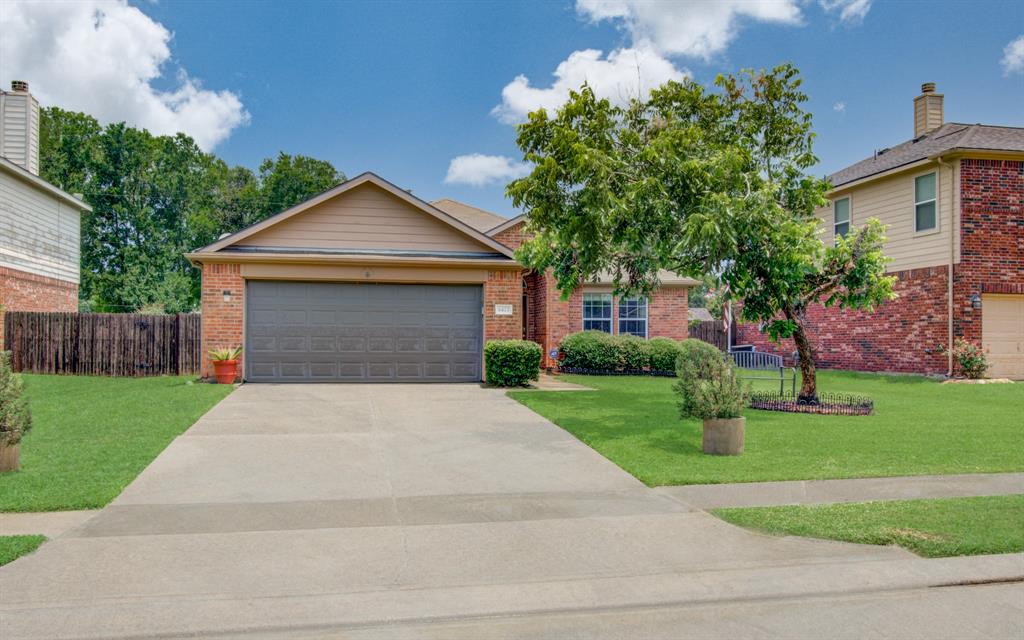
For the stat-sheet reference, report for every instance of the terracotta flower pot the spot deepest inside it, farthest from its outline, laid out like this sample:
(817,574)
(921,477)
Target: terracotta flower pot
(10,459)
(225,371)
(724,436)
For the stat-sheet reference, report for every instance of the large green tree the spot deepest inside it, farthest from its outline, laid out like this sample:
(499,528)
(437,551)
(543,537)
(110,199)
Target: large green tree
(696,181)
(155,197)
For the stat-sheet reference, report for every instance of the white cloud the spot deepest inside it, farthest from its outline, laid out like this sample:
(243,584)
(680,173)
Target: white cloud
(101,57)
(623,74)
(851,12)
(695,28)
(477,169)
(1013,56)
(839,107)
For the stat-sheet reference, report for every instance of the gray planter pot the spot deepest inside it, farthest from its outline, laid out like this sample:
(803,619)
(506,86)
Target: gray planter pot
(724,436)
(10,459)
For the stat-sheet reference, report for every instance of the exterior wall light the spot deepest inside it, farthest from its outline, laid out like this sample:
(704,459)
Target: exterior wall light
(976,301)
(227,296)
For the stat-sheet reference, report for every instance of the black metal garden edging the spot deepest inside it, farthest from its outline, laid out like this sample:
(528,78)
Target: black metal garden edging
(580,371)
(832,404)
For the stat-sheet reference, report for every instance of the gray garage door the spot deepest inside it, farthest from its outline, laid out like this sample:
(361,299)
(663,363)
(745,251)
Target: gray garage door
(331,332)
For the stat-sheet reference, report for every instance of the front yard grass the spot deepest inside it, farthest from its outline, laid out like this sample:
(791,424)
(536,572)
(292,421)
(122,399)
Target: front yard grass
(13,547)
(919,427)
(92,435)
(929,528)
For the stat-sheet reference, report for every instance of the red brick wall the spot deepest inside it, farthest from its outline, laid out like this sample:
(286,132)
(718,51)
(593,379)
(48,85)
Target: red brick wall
(513,236)
(991,238)
(901,335)
(23,291)
(222,321)
(503,287)
(668,313)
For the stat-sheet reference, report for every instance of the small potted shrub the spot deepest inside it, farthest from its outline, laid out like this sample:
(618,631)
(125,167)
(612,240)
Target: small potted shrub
(15,419)
(709,390)
(225,364)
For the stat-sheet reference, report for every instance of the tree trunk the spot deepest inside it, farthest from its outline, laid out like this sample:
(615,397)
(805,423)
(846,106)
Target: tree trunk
(809,385)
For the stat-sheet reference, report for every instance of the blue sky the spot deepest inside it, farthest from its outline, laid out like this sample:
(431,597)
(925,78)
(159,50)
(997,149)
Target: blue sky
(402,89)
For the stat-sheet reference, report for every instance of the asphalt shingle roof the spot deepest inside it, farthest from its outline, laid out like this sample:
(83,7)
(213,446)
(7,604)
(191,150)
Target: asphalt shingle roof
(950,136)
(475,217)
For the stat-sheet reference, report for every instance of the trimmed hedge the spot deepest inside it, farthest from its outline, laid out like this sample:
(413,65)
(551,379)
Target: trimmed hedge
(512,363)
(597,351)
(664,353)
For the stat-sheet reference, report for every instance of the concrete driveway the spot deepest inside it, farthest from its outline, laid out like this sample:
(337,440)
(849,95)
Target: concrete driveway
(314,509)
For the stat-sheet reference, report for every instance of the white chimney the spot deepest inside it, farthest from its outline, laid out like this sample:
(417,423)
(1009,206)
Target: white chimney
(928,114)
(19,126)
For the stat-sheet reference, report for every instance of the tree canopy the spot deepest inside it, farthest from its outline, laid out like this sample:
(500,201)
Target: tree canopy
(695,181)
(156,197)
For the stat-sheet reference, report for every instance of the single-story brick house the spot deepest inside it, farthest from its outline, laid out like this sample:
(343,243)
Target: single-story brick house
(952,198)
(366,282)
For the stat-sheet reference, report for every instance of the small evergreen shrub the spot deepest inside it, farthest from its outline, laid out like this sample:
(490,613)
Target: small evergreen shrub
(707,387)
(595,350)
(634,354)
(15,418)
(512,363)
(664,352)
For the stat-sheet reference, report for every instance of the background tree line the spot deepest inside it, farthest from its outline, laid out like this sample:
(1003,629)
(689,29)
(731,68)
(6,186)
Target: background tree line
(153,199)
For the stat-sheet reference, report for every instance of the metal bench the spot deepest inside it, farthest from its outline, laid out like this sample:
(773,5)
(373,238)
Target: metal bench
(745,358)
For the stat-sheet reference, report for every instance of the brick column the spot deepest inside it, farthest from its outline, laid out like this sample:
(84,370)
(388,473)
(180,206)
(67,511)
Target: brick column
(222,320)
(503,287)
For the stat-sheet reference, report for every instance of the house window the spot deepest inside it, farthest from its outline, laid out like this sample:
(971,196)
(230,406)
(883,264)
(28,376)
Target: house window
(924,203)
(597,312)
(841,217)
(633,316)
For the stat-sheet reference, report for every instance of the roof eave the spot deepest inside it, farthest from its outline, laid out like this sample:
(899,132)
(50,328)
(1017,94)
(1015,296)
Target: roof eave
(198,258)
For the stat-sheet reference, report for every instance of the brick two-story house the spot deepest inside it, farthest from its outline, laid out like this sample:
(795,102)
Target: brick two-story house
(366,282)
(953,200)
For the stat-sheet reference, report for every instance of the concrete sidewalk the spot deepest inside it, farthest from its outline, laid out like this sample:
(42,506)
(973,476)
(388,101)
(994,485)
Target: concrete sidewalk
(765,494)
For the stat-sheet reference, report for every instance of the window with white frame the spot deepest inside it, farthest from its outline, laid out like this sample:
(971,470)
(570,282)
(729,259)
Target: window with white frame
(633,316)
(841,217)
(597,312)
(925,216)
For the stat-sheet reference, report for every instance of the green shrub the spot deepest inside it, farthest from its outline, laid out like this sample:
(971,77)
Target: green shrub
(970,358)
(664,353)
(708,387)
(512,363)
(590,350)
(634,353)
(698,359)
(15,418)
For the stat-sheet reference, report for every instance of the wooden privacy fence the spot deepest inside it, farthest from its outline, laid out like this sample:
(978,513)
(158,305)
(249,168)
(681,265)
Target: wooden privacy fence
(103,344)
(711,331)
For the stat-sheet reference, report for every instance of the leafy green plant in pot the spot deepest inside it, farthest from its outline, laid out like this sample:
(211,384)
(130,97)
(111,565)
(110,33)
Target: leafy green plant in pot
(709,390)
(15,418)
(225,364)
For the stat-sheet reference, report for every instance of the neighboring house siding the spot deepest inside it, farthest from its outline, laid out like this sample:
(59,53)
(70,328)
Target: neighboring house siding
(891,200)
(366,217)
(38,233)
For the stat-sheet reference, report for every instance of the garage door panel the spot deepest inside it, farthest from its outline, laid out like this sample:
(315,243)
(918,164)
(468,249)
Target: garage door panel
(359,331)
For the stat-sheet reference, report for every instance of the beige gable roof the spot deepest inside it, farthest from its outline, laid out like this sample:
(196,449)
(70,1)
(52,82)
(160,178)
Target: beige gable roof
(473,216)
(365,215)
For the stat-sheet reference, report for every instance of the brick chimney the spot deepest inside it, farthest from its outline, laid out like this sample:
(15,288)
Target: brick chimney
(928,114)
(19,126)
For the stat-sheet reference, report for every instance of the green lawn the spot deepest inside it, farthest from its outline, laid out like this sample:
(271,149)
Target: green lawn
(93,435)
(13,547)
(919,427)
(930,528)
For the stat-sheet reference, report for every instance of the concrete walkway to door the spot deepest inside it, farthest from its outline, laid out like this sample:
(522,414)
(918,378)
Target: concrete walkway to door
(318,508)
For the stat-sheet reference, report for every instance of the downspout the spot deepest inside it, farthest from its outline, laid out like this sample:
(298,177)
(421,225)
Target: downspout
(952,256)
